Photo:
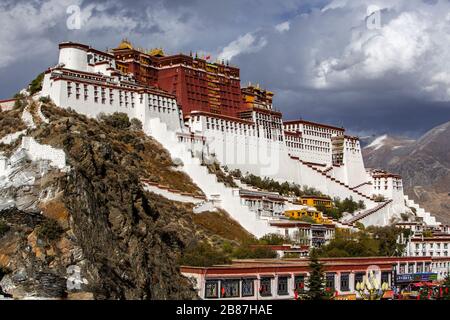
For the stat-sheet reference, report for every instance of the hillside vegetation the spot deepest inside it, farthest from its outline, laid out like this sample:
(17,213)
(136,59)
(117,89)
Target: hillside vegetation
(97,217)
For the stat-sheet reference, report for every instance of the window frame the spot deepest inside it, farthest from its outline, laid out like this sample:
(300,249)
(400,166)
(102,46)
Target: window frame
(285,282)
(208,282)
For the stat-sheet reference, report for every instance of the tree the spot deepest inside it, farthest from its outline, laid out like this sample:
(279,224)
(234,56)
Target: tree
(272,239)
(246,252)
(387,237)
(36,84)
(203,255)
(136,124)
(117,120)
(316,279)
(444,290)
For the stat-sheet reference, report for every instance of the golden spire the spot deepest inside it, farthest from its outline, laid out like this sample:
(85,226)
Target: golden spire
(125,44)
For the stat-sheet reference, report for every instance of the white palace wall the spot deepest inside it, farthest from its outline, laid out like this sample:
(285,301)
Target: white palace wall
(354,164)
(233,142)
(243,150)
(142,106)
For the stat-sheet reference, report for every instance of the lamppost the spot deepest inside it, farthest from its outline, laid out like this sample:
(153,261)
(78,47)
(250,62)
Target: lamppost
(370,289)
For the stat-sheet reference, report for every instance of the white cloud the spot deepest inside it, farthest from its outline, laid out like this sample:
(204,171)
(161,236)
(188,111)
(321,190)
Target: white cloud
(411,46)
(24,27)
(248,43)
(396,47)
(282,27)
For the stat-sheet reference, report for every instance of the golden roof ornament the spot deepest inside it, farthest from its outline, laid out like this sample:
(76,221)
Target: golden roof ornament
(125,44)
(156,52)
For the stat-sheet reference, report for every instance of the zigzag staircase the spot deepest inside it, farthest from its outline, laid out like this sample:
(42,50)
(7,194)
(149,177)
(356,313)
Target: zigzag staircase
(226,198)
(332,179)
(420,212)
(368,212)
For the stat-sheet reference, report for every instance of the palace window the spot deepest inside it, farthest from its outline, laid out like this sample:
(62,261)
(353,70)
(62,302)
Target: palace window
(385,277)
(283,286)
(419,267)
(359,277)
(69,89)
(212,289)
(230,289)
(248,288)
(345,282)
(330,281)
(266,287)
(410,268)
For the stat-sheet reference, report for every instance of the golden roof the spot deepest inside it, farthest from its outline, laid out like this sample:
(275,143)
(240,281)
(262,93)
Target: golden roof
(125,44)
(156,52)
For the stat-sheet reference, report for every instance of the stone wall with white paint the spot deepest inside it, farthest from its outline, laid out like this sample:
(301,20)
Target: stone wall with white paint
(3,165)
(36,151)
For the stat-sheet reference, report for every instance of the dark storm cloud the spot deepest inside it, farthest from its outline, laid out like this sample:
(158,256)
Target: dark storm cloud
(318,56)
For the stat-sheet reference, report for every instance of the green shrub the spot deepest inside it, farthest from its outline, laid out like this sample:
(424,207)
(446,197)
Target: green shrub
(272,239)
(247,252)
(203,255)
(49,230)
(227,179)
(373,241)
(45,99)
(136,124)
(378,198)
(236,174)
(271,185)
(20,101)
(117,120)
(36,84)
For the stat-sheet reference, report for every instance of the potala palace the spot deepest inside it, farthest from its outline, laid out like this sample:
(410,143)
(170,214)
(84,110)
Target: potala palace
(198,111)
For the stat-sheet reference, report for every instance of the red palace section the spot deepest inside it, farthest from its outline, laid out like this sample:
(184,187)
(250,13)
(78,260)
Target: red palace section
(198,85)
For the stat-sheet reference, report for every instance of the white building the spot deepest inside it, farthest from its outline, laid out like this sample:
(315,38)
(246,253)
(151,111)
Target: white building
(86,80)
(301,152)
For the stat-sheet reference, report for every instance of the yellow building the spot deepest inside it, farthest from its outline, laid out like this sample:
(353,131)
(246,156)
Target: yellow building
(316,216)
(315,201)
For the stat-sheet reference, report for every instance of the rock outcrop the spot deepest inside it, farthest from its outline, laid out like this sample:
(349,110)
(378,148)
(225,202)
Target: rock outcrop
(92,231)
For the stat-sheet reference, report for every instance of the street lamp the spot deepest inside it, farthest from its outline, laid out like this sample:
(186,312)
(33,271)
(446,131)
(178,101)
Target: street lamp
(370,289)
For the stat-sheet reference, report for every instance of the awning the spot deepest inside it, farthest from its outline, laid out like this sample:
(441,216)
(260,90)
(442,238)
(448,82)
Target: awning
(423,284)
(429,284)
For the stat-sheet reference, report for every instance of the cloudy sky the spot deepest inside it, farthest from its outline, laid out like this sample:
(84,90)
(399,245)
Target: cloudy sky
(372,66)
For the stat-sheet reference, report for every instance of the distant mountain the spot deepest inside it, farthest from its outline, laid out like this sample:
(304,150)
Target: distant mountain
(424,165)
(385,150)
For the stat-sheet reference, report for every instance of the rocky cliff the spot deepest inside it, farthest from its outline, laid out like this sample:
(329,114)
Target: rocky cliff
(91,231)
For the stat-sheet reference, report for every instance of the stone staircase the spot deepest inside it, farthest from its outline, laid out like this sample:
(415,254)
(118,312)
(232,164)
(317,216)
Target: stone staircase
(224,197)
(421,213)
(368,212)
(357,195)
(328,169)
(360,185)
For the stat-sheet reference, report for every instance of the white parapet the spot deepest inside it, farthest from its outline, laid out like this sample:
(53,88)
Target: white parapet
(421,213)
(36,152)
(3,165)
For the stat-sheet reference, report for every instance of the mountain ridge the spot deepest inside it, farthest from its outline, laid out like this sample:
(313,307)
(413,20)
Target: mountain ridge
(424,165)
